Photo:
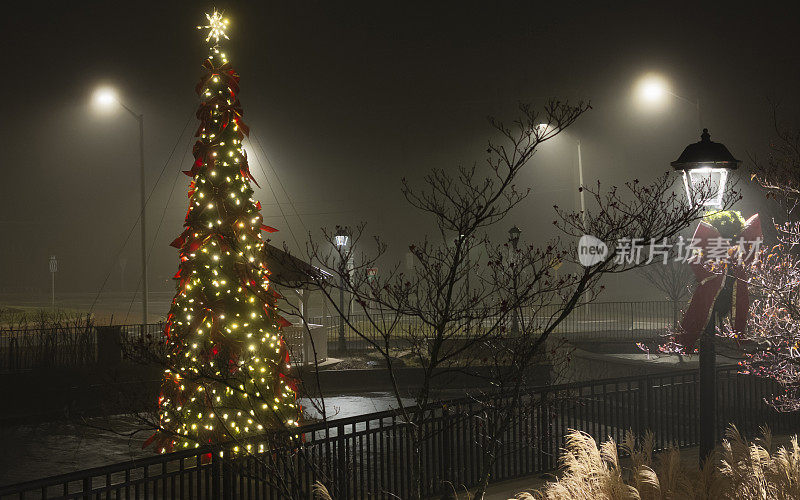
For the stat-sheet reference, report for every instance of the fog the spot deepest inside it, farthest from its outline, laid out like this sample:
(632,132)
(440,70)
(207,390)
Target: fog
(345,100)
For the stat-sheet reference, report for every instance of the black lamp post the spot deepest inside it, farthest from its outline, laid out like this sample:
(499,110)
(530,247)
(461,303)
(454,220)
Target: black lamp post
(705,165)
(513,237)
(342,240)
(462,238)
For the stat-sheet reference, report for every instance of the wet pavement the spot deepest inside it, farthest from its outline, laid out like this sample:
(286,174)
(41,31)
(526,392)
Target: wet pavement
(41,450)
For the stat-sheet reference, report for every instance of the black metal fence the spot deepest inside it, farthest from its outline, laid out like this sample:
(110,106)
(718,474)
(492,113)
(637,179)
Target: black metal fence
(67,346)
(370,455)
(29,348)
(593,321)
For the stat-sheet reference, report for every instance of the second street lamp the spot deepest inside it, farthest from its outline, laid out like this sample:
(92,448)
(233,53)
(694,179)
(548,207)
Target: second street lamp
(342,240)
(653,88)
(513,237)
(542,128)
(707,163)
(105,98)
(462,239)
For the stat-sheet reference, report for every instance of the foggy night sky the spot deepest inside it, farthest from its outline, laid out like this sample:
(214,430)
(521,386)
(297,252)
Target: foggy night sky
(346,98)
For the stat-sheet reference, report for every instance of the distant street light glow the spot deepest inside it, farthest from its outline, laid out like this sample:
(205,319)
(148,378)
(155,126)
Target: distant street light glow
(104,98)
(652,89)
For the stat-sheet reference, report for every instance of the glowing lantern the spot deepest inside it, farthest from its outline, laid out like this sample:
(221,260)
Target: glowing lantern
(705,166)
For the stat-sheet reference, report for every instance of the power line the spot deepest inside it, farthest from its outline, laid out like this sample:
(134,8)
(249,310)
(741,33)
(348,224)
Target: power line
(139,217)
(178,173)
(277,202)
(285,192)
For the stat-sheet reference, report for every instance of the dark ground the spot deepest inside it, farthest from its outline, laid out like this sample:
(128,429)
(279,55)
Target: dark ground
(33,451)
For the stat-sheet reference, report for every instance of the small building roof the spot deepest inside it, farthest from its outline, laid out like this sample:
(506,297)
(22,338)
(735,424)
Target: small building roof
(290,271)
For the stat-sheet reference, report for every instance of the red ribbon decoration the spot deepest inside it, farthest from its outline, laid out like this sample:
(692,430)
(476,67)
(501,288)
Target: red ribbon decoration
(710,284)
(227,112)
(225,71)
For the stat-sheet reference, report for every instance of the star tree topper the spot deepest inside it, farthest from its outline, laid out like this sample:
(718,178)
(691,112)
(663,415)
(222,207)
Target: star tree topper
(216,27)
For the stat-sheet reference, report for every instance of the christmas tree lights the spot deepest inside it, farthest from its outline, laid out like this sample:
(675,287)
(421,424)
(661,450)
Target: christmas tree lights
(227,374)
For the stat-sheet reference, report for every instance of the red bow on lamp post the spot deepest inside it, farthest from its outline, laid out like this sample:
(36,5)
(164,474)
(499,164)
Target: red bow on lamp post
(710,283)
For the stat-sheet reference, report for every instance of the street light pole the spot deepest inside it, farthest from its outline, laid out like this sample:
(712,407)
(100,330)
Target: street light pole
(703,164)
(106,97)
(342,340)
(463,240)
(342,239)
(513,236)
(542,127)
(143,201)
(53,271)
(580,185)
(707,381)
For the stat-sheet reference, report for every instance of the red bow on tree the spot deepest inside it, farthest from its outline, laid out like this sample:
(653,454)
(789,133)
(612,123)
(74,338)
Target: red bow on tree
(711,282)
(224,71)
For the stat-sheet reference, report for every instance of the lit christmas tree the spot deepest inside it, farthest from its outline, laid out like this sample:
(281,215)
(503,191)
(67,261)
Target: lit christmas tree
(227,363)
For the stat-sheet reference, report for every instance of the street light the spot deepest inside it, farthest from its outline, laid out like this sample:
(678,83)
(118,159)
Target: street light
(105,98)
(462,238)
(513,237)
(541,128)
(706,162)
(652,89)
(342,240)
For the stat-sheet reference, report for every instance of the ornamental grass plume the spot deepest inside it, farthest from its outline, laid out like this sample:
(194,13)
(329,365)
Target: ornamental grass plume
(738,470)
(320,492)
(755,470)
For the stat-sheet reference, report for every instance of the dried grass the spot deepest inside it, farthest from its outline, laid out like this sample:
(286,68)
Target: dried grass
(320,492)
(738,470)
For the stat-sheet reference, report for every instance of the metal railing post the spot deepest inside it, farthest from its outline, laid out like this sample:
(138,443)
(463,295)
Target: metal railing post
(341,463)
(227,479)
(216,474)
(545,457)
(87,488)
(12,349)
(644,405)
(446,465)
(633,321)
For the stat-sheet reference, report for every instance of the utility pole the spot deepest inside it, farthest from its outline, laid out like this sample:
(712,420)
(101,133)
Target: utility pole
(105,98)
(580,185)
(143,200)
(342,241)
(53,271)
